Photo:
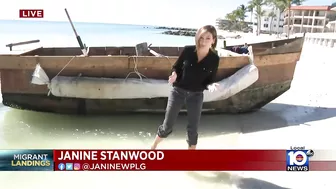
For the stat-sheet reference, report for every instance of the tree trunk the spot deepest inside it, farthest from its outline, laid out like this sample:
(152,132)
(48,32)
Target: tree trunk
(252,16)
(289,18)
(259,25)
(278,24)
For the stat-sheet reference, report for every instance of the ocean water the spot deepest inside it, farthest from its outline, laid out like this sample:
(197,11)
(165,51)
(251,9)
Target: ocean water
(60,34)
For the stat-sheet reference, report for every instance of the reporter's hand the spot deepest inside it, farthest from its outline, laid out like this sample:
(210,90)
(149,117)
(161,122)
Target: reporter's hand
(172,78)
(213,87)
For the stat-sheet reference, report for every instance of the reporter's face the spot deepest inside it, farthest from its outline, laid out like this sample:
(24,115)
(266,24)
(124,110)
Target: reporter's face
(205,40)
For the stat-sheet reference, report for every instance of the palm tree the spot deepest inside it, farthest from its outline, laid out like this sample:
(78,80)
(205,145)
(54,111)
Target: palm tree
(242,9)
(232,22)
(250,9)
(240,12)
(235,20)
(289,4)
(257,5)
(259,13)
(282,5)
(272,15)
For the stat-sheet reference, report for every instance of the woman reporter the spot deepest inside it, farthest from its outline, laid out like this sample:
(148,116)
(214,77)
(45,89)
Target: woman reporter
(194,71)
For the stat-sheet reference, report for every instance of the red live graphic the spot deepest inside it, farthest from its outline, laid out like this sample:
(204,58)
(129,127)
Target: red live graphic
(31,13)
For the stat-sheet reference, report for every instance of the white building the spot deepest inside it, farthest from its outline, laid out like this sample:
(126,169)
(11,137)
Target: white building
(332,24)
(272,26)
(267,24)
(310,19)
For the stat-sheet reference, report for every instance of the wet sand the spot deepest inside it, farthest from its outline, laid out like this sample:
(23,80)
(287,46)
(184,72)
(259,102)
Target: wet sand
(305,115)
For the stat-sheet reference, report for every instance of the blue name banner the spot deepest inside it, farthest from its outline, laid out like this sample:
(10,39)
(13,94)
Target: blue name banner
(26,160)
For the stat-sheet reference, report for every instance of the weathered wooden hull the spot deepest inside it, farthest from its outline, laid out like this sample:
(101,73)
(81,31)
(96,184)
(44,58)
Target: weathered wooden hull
(246,101)
(276,72)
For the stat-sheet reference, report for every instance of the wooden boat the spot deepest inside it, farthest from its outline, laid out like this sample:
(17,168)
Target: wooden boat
(59,80)
(261,47)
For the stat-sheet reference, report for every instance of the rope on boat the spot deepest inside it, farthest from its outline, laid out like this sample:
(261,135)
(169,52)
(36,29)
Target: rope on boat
(65,66)
(157,54)
(136,64)
(60,73)
(135,70)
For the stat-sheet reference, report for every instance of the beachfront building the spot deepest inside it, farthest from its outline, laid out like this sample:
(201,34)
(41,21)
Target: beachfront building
(332,24)
(270,24)
(312,19)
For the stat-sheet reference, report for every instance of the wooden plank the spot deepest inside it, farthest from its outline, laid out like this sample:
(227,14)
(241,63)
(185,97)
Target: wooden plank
(267,60)
(128,63)
(295,46)
(57,63)
(19,81)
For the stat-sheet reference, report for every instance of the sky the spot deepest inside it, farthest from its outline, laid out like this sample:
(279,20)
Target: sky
(179,13)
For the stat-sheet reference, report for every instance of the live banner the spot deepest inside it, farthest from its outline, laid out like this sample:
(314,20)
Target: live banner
(167,160)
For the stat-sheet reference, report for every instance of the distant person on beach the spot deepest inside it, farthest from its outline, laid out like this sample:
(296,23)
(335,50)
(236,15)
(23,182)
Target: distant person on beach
(244,49)
(239,49)
(194,71)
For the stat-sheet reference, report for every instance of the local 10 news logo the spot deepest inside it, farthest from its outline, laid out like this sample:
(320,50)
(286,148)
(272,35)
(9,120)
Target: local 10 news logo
(298,160)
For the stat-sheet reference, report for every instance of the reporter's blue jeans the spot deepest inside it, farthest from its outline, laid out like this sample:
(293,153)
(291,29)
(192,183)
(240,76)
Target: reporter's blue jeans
(194,103)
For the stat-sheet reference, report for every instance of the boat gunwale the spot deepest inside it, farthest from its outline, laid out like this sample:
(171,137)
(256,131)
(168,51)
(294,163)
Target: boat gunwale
(127,62)
(264,46)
